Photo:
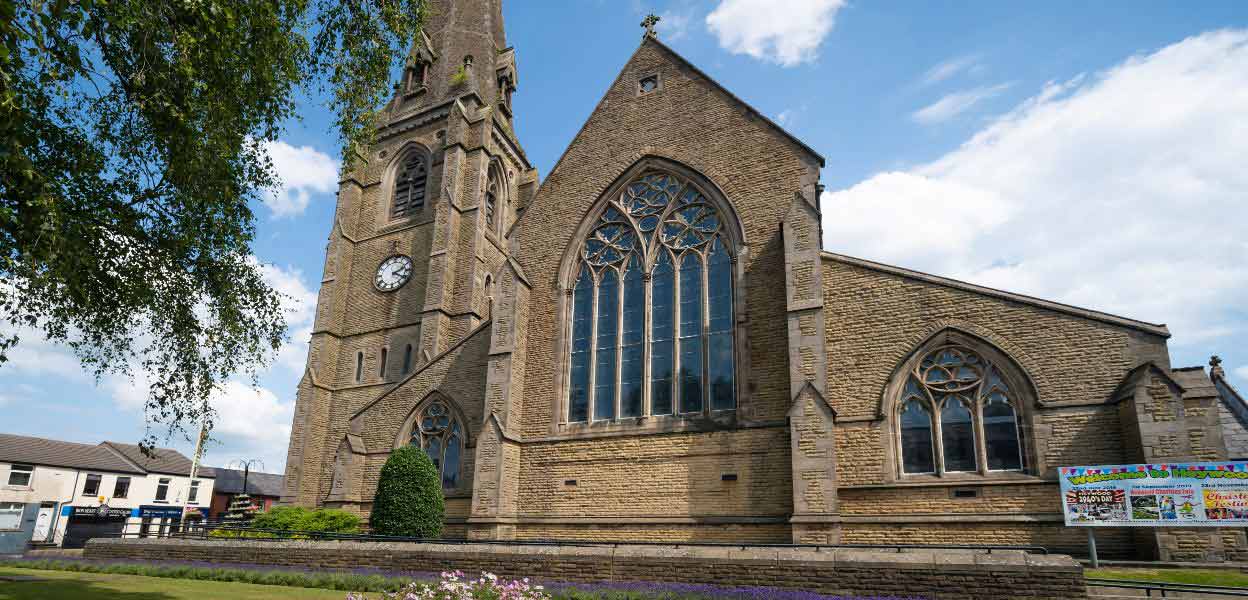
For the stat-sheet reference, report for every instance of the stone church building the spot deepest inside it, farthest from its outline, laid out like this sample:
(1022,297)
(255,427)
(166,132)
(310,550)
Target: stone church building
(651,344)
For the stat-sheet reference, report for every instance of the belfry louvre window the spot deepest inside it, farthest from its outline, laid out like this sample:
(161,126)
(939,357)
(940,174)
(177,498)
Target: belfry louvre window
(409,185)
(652,307)
(956,414)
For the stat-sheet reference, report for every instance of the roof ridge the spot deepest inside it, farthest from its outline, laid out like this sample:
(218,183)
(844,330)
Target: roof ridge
(107,445)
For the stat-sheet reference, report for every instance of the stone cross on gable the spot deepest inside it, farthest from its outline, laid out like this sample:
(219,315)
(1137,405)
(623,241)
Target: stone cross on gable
(1215,366)
(649,22)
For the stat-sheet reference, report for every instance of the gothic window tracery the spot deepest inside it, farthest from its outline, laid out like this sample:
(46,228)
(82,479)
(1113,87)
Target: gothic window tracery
(957,414)
(409,185)
(441,436)
(652,307)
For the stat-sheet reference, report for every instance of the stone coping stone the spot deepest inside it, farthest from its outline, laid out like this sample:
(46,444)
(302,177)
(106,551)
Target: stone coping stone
(825,558)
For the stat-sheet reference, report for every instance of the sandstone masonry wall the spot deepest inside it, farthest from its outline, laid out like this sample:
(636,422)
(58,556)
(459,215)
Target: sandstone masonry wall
(939,575)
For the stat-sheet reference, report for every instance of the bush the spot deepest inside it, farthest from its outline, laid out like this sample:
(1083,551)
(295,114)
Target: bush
(298,518)
(409,496)
(238,533)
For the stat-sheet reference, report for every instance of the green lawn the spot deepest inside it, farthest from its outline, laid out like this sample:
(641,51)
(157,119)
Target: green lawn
(1227,578)
(63,585)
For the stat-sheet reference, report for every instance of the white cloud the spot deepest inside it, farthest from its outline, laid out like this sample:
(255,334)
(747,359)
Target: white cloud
(6,400)
(298,301)
(786,32)
(956,103)
(303,171)
(294,353)
(785,116)
(673,26)
(949,68)
(299,304)
(36,356)
(1121,192)
(250,423)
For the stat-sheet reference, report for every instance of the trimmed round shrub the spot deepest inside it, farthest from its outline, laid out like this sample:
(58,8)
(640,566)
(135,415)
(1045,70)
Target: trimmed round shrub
(409,498)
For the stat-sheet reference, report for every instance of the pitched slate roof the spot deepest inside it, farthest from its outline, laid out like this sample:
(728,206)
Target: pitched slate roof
(55,453)
(165,460)
(230,481)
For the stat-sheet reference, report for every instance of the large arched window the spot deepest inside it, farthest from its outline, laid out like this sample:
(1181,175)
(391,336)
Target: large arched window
(652,307)
(441,436)
(409,185)
(956,414)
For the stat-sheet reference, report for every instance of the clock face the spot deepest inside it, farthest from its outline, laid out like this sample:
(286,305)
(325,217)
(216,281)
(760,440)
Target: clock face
(393,273)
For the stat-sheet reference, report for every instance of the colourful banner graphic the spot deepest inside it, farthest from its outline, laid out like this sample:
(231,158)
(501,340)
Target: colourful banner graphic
(1161,495)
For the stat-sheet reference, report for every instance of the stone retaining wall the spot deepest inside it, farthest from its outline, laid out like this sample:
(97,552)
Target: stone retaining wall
(935,574)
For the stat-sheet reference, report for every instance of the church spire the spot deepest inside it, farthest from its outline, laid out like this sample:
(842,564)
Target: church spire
(462,51)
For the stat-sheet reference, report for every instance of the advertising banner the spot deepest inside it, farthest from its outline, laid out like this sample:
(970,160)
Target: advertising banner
(1162,495)
(150,511)
(99,513)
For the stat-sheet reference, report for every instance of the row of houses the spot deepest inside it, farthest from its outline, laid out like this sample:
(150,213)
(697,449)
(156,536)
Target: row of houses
(60,493)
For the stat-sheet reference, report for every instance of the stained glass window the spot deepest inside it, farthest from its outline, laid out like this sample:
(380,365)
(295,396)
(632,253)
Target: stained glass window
(916,438)
(976,416)
(654,288)
(582,331)
(632,338)
(441,436)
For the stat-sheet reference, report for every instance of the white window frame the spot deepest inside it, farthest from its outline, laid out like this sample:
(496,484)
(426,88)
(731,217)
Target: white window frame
(28,470)
(12,508)
(99,484)
(166,483)
(129,481)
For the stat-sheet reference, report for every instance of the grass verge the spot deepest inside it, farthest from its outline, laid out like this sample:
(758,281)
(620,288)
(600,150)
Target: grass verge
(1195,576)
(347,582)
(63,585)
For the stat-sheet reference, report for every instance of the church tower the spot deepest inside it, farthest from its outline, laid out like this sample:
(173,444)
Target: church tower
(422,222)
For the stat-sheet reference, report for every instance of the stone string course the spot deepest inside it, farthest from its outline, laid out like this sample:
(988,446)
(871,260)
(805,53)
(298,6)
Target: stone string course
(935,574)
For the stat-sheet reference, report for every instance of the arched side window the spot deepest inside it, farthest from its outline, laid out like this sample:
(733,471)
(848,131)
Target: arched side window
(409,185)
(441,436)
(652,316)
(957,414)
(493,194)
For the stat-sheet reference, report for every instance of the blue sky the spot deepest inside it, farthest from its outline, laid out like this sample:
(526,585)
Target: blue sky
(1091,153)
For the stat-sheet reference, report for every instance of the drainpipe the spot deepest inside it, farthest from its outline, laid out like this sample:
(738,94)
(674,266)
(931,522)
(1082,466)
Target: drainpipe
(56,517)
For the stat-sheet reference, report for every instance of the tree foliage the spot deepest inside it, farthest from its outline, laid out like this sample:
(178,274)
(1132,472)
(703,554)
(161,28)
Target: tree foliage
(132,148)
(409,498)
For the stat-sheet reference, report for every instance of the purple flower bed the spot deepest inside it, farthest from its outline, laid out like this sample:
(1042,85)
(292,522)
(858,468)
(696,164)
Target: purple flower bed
(657,590)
